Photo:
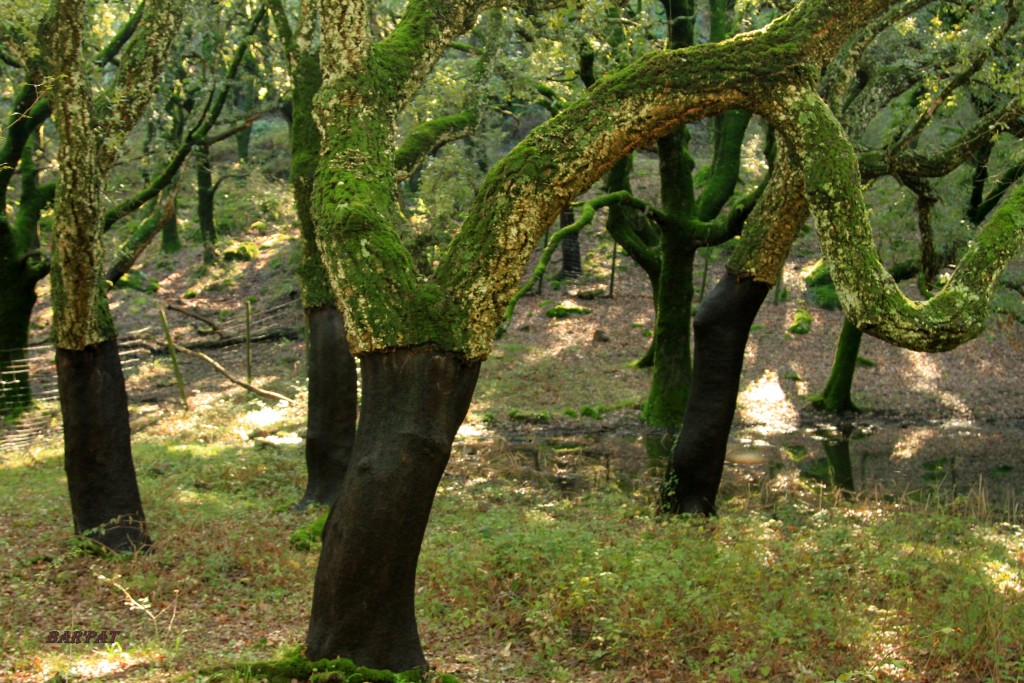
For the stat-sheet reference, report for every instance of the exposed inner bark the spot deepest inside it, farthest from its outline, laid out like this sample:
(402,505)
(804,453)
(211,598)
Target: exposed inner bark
(363,597)
(721,328)
(105,501)
(331,419)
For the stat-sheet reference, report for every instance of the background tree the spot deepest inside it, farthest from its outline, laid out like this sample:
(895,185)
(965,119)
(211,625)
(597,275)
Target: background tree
(23,160)
(93,120)
(332,401)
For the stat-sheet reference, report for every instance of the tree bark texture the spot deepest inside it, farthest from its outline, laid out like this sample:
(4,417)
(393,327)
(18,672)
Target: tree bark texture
(98,461)
(331,415)
(205,202)
(671,377)
(721,328)
(105,500)
(363,598)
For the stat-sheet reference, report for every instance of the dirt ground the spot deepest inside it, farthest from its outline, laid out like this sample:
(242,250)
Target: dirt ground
(953,421)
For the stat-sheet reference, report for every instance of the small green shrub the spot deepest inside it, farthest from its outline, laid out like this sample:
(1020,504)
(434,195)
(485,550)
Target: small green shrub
(309,534)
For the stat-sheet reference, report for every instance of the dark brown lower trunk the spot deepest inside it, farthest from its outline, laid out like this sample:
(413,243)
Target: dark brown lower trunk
(16,303)
(572,264)
(331,418)
(105,501)
(720,328)
(363,595)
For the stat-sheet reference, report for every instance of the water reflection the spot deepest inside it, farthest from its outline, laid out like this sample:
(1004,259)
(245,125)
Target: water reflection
(836,468)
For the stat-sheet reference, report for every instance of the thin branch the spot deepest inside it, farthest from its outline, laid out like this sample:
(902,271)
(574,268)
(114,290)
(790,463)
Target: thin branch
(588,210)
(220,368)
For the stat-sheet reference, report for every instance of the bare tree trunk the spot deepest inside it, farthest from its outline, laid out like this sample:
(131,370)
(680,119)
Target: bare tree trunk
(363,598)
(105,501)
(331,420)
(721,328)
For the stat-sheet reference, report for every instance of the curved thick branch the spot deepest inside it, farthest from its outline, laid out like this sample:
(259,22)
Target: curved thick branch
(430,136)
(868,293)
(385,300)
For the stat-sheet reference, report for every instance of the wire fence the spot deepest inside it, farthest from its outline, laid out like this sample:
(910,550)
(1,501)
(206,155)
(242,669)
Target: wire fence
(29,377)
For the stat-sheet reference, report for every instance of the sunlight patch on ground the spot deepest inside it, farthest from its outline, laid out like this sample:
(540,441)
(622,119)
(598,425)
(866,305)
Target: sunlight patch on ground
(926,378)
(107,663)
(1005,578)
(262,418)
(764,402)
(911,441)
(471,430)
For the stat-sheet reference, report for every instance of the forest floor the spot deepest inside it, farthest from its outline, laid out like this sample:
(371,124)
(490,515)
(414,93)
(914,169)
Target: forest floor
(554,435)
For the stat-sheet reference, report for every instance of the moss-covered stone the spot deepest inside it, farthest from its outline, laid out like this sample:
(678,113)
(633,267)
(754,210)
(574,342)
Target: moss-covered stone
(293,666)
(563,311)
(801,323)
(241,251)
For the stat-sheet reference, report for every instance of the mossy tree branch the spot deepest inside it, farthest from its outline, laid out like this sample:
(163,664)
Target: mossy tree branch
(522,194)
(88,148)
(868,293)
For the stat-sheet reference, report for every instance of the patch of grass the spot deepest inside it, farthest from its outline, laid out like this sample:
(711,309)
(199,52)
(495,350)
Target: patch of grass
(599,589)
(519,581)
(529,415)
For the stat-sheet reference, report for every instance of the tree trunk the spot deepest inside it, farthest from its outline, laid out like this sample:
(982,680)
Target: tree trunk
(572,267)
(170,238)
(670,382)
(105,501)
(835,397)
(840,467)
(721,328)
(331,420)
(204,188)
(16,301)
(363,598)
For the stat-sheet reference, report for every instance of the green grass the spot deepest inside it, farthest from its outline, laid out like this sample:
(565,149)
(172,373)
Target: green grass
(521,581)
